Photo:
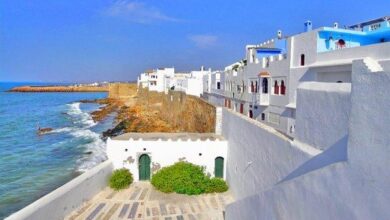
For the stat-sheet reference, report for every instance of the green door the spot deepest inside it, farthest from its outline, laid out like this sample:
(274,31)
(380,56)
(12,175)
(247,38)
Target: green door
(144,167)
(218,168)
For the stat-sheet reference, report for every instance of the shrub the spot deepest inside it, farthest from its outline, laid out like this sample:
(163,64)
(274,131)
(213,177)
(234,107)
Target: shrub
(120,179)
(186,178)
(216,185)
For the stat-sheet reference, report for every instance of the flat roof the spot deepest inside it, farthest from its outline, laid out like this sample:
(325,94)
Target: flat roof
(165,136)
(373,21)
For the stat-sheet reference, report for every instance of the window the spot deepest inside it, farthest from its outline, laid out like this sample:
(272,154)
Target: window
(276,88)
(252,87)
(256,86)
(302,59)
(282,88)
(218,85)
(265,85)
(262,116)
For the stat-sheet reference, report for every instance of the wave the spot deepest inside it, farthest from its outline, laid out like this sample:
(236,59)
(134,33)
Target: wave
(62,130)
(94,149)
(90,142)
(83,118)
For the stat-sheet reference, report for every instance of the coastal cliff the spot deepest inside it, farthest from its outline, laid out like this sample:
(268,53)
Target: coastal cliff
(59,89)
(146,111)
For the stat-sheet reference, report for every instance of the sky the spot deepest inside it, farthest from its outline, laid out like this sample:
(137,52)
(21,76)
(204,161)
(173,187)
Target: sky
(116,40)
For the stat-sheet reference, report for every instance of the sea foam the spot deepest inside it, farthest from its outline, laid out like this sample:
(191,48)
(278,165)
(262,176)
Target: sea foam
(90,142)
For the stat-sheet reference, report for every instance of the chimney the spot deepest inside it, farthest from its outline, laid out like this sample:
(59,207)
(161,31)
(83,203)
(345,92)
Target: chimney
(279,34)
(336,25)
(308,26)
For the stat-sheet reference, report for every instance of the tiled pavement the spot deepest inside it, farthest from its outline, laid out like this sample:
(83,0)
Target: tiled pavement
(141,201)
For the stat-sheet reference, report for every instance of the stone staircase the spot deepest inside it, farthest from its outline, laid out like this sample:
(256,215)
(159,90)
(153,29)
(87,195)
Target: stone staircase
(372,65)
(142,201)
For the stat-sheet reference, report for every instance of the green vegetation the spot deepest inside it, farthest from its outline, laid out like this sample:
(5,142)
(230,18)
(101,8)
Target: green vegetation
(120,179)
(186,178)
(216,185)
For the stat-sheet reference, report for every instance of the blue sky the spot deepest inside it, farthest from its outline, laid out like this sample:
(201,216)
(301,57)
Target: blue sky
(96,40)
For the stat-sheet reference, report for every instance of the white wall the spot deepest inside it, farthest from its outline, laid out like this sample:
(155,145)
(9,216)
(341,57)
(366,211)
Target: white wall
(349,188)
(322,118)
(194,87)
(369,141)
(375,51)
(258,155)
(166,152)
(67,198)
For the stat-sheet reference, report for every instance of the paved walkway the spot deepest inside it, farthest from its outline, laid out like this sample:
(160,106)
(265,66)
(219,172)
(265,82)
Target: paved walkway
(142,201)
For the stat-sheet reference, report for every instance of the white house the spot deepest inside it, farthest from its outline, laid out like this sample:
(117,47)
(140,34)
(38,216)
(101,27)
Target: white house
(145,153)
(143,80)
(156,80)
(164,79)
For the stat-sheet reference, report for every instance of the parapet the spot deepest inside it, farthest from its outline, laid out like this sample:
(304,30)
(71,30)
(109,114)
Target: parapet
(169,137)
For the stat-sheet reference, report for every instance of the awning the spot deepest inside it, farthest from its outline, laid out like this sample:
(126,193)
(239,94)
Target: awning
(264,74)
(269,50)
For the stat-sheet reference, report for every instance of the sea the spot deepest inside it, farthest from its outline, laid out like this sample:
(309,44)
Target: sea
(32,165)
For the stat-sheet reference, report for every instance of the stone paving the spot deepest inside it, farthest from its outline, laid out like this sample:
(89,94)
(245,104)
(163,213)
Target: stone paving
(142,201)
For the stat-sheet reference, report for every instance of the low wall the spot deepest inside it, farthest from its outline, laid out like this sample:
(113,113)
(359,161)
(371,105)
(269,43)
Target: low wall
(64,200)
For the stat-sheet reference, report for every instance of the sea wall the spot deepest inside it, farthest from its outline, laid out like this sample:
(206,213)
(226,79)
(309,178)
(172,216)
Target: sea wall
(60,89)
(122,90)
(67,198)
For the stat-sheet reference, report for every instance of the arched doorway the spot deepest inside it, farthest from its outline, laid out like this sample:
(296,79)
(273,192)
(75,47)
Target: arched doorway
(218,167)
(265,85)
(144,167)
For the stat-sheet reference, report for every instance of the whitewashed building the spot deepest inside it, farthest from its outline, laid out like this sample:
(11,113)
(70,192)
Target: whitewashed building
(155,80)
(145,153)
(165,79)
(263,86)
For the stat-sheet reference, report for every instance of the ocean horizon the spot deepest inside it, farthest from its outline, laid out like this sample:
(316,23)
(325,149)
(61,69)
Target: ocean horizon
(33,165)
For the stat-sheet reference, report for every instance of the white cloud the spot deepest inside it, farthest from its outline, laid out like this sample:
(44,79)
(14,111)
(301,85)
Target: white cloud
(137,12)
(204,40)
